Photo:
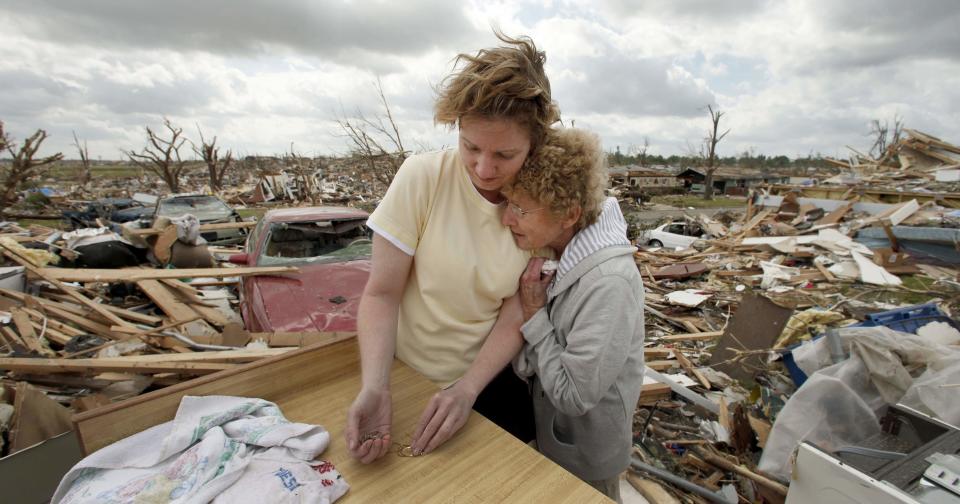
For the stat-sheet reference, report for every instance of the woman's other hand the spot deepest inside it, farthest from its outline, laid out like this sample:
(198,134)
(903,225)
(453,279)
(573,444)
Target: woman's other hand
(533,287)
(443,417)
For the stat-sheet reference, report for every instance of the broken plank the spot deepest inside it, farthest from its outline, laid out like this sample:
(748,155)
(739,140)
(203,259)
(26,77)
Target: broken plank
(31,365)
(836,215)
(702,336)
(688,367)
(661,365)
(12,338)
(652,491)
(133,316)
(223,356)
(22,321)
(53,309)
(50,333)
(176,310)
(137,274)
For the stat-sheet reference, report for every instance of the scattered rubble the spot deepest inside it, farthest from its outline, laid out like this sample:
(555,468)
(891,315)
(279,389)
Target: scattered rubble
(726,316)
(738,323)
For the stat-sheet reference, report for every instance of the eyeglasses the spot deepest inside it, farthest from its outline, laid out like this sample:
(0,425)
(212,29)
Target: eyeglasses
(519,212)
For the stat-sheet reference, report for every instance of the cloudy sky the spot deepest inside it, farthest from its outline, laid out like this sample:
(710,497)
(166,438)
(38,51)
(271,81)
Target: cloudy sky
(793,76)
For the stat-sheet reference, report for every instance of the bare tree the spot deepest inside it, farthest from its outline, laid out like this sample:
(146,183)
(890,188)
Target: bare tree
(709,151)
(640,152)
(161,156)
(85,174)
(216,166)
(883,138)
(23,166)
(376,141)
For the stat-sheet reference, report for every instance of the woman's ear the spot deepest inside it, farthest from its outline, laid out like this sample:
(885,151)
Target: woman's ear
(573,216)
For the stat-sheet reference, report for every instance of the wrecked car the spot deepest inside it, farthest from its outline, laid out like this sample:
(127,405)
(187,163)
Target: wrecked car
(209,210)
(108,210)
(331,246)
(674,235)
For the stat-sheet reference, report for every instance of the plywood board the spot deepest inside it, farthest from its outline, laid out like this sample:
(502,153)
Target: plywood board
(754,326)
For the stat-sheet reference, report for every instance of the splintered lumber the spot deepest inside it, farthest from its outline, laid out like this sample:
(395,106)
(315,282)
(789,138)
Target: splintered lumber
(754,222)
(137,274)
(177,310)
(25,329)
(203,227)
(31,365)
(652,491)
(661,365)
(701,336)
(41,272)
(140,318)
(653,392)
(836,215)
(60,311)
(11,337)
(222,356)
(688,367)
(723,463)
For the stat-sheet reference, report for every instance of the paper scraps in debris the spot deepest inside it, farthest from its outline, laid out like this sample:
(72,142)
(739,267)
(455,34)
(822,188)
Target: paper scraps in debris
(773,272)
(690,298)
(871,273)
(845,269)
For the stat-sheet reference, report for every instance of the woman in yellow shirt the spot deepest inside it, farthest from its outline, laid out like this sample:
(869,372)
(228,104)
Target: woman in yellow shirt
(441,294)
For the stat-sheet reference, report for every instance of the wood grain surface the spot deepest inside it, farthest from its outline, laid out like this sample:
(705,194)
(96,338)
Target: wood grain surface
(482,463)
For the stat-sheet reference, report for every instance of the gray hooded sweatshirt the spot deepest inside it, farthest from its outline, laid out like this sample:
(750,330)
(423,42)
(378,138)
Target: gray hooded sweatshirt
(584,352)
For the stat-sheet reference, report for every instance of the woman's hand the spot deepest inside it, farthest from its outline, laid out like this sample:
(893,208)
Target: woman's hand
(445,414)
(533,287)
(368,425)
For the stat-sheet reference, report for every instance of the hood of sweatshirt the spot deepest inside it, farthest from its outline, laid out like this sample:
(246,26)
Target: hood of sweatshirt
(605,238)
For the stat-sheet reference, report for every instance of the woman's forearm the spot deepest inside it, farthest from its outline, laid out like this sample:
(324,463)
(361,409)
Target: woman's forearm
(377,338)
(502,344)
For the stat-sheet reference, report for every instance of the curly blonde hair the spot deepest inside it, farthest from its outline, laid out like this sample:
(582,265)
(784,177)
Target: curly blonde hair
(503,82)
(570,169)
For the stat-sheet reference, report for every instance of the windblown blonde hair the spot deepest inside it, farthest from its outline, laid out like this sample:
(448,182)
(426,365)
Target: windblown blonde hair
(503,82)
(570,169)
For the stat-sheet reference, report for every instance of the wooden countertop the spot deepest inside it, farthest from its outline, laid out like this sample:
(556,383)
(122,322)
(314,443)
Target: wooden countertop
(482,463)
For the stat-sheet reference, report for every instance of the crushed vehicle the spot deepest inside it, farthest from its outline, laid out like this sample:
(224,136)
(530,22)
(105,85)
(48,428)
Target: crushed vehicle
(673,235)
(331,246)
(108,210)
(209,210)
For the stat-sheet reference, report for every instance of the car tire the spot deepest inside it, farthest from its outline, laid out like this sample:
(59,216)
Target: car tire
(655,243)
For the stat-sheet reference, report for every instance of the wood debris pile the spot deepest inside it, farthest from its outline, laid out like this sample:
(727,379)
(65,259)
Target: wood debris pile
(916,160)
(722,314)
(74,339)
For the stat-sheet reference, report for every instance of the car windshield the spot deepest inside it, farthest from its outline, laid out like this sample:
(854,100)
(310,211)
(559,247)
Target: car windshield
(316,242)
(203,207)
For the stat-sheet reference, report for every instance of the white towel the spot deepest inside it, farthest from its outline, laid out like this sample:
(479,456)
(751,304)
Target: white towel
(214,444)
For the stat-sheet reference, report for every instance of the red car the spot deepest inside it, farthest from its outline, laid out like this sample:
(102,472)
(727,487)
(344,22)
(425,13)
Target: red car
(330,245)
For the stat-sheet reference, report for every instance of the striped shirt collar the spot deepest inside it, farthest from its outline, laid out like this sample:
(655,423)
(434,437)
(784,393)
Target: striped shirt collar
(610,230)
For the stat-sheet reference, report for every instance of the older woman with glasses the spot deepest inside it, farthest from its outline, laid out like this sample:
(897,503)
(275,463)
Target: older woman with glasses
(583,323)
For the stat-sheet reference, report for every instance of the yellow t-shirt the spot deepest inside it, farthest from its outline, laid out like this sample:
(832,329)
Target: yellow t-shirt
(465,263)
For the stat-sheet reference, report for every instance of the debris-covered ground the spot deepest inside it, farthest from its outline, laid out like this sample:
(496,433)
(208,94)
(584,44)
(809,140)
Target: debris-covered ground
(739,320)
